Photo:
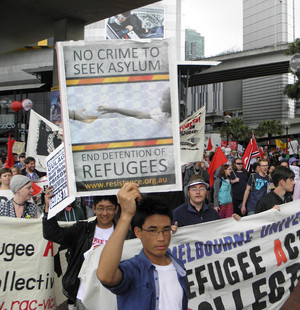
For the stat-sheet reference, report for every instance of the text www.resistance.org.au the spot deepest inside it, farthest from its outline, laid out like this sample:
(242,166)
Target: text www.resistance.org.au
(120,183)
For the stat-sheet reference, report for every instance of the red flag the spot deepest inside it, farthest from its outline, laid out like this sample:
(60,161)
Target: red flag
(10,157)
(209,146)
(218,160)
(250,152)
(261,152)
(36,189)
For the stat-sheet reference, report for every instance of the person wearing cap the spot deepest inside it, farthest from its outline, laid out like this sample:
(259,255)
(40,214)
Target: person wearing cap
(293,166)
(195,210)
(19,206)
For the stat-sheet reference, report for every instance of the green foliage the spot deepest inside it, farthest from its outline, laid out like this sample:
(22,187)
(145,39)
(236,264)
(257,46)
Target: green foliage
(293,47)
(292,91)
(237,128)
(269,127)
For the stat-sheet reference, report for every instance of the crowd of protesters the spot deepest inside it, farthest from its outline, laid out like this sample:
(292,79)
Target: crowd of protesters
(234,192)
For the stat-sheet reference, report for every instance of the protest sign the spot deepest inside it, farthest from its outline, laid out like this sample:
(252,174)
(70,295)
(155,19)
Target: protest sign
(192,137)
(43,138)
(248,264)
(57,177)
(120,114)
(27,278)
(18,147)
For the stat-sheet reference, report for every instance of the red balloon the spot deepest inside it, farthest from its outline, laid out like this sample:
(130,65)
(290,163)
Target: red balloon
(16,106)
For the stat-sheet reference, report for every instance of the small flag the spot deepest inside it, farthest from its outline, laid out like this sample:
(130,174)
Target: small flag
(209,146)
(280,144)
(250,152)
(218,160)
(10,157)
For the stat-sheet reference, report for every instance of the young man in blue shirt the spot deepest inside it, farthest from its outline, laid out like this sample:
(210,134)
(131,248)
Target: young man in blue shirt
(153,279)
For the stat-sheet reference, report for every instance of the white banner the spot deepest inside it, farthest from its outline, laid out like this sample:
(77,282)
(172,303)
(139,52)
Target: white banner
(127,90)
(192,137)
(27,278)
(43,138)
(57,177)
(248,264)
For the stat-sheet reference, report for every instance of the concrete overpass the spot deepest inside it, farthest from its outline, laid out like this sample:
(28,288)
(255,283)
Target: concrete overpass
(242,65)
(28,21)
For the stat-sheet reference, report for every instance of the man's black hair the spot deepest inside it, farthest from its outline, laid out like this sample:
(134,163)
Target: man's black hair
(149,206)
(281,173)
(112,199)
(29,159)
(126,14)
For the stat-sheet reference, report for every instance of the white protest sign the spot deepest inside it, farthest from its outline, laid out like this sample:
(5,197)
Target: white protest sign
(192,137)
(43,138)
(120,115)
(56,172)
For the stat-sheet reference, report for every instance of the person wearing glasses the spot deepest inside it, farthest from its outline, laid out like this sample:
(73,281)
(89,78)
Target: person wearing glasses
(258,185)
(195,210)
(239,179)
(153,279)
(80,239)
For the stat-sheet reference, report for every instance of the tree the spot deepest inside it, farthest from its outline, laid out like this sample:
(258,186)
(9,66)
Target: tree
(294,47)
(269,127)
(237,128)
(293,90)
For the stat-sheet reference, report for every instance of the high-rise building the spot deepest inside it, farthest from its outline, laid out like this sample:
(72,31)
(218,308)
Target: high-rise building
(194,45)
(267,23)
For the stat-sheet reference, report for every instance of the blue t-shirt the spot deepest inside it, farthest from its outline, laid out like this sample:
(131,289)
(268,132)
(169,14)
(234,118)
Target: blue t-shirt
(259,188)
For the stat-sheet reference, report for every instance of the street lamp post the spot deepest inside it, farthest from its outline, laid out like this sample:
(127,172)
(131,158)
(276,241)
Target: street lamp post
(286,125)
(227,120)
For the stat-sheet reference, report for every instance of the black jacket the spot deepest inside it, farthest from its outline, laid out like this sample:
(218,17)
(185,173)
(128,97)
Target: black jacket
(39,173)
(78,239)
(268,201)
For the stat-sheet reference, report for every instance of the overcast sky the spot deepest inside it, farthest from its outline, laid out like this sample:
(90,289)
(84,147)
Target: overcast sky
(220,22)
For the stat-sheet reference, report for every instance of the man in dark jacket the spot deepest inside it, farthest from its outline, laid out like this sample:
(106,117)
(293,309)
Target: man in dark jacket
(195,210)
(80,238)
(283,179)
(30,170)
